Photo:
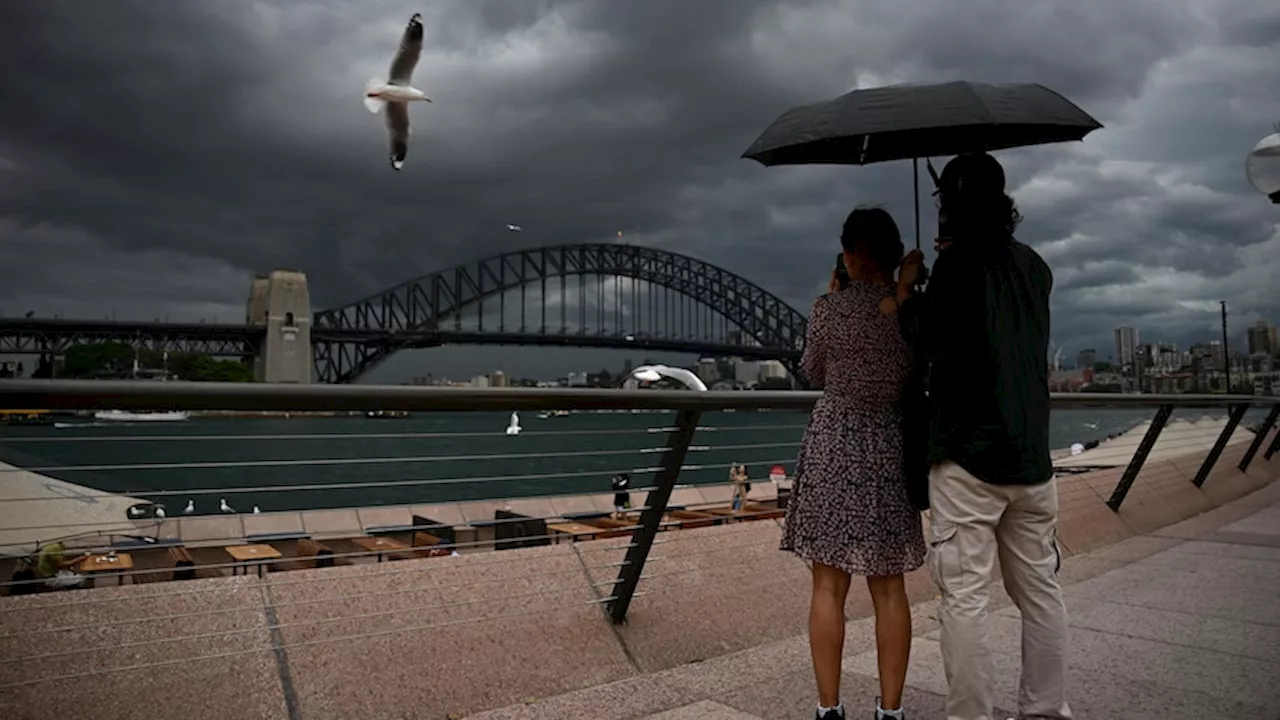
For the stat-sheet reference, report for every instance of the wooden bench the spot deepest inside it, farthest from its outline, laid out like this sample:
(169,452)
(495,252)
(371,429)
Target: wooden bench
(430,544)
(763,512)
(690,519)
(184,568)
(322,554)
(614,525)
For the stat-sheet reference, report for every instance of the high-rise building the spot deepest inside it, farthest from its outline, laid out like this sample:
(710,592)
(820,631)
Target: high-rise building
(497,379)
(1262,339)
(1126,345)
(1165,357)
(1219,359)
(1086,359)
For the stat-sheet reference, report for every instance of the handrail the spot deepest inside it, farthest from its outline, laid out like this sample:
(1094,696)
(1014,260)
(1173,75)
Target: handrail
(180,395)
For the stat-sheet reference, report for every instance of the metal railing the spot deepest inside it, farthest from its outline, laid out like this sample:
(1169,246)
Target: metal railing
(689,408)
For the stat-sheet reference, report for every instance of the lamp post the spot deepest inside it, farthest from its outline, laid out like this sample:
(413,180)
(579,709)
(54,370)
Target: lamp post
(1226,349)
(1263,166)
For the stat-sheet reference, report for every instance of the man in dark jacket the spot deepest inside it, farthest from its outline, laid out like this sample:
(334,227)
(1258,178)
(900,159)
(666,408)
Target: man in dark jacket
(983,325)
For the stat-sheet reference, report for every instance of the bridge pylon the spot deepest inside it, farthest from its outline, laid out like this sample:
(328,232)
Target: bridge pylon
(280,303)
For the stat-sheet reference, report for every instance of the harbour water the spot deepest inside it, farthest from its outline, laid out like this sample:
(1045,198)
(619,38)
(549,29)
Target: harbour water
(324,462)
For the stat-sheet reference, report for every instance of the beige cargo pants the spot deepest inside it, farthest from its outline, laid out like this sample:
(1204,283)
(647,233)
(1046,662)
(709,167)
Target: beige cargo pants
(971,524)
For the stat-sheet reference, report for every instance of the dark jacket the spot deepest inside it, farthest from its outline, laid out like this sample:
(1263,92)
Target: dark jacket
(983,326)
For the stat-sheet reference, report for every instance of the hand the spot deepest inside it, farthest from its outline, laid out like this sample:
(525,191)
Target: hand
(834,285)
(909,272)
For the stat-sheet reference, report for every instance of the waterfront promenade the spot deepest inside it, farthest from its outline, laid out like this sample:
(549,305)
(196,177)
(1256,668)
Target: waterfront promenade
(1172,600)
(1170,567)
(1181,623)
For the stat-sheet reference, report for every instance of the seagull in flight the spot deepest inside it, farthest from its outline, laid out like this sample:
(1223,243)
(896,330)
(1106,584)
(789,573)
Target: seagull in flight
(396,93)
(514,228)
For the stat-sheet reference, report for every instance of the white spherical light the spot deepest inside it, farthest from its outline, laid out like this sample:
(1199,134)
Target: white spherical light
(1263,166)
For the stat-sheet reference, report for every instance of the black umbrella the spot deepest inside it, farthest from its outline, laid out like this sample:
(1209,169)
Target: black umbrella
(914,121)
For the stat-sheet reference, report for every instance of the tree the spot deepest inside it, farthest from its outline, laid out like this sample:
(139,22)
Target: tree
(115,360)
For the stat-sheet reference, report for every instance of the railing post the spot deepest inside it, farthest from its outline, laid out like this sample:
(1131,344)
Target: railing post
(1234,416)
(1275,445)
(1139,457)
(1259,438)
(664,481)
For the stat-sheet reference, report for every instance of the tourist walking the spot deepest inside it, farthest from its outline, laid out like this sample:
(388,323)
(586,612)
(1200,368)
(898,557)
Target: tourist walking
(849,512)
(984,325)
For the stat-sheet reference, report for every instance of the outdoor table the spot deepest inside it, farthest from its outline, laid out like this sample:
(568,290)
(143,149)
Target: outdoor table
(380,545)
(245,554)
(574,530)
(119,562)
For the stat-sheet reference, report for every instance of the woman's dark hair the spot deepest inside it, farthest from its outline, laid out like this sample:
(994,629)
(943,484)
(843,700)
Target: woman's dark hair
(872,230)
(972,202)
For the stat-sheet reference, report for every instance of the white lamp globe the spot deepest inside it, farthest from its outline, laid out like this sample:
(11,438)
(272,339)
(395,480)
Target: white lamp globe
(1263,166)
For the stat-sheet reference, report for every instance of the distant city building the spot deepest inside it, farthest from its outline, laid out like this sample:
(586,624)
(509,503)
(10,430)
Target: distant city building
(747,372)
(1216,355)
(498,379)
(1126,345)
(772,370)
(578,379)
(1262,339)
(1166,358)
(480,381)
(1087,359)
(725,367)
(1069,380)
(707,371)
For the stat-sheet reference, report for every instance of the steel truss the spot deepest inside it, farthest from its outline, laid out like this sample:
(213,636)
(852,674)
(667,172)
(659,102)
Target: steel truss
(351,340)
(31,336)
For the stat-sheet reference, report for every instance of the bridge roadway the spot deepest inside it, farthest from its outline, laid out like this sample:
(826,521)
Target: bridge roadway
(1172,601)
(34,336)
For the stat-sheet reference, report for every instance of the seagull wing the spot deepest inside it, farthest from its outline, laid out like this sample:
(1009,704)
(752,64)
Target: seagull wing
(406,58)
(398,132)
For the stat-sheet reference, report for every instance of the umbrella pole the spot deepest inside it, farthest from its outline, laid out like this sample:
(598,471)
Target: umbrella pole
(915,186)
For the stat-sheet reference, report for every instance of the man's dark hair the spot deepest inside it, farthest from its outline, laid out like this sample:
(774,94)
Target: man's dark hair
(972,200)
(873,229)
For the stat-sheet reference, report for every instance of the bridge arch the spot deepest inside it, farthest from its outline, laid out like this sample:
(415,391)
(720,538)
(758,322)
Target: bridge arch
(353,339)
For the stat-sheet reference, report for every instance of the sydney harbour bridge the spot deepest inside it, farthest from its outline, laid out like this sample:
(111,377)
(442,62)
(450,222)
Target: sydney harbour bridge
(584,295)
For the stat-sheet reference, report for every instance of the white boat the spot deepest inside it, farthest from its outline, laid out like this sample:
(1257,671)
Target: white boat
(126,416)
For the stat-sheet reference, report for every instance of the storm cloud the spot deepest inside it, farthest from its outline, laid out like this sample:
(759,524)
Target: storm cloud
(153,156)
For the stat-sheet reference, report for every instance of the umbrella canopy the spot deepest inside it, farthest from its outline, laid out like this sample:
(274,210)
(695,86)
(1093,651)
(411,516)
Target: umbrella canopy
(913,121)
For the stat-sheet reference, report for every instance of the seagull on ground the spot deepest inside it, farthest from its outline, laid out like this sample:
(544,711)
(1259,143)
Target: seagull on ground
(160,512)
(513,427)
(190,508)
(223,506)
(135,511)
(256,511)
(395,93)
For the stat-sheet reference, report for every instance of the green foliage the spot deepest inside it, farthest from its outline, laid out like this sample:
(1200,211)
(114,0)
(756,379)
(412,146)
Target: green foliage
(115,360)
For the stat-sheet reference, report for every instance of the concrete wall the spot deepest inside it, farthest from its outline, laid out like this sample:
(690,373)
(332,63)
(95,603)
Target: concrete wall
(281,302)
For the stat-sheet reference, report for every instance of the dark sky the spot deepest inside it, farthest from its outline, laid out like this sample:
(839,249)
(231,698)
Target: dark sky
(155,155)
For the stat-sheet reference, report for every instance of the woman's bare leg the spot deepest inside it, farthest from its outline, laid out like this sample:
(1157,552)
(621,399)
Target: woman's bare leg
(826,630)
(893,636)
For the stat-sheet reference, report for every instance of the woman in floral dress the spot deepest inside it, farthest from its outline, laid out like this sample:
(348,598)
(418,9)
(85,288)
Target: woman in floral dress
(849,513)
